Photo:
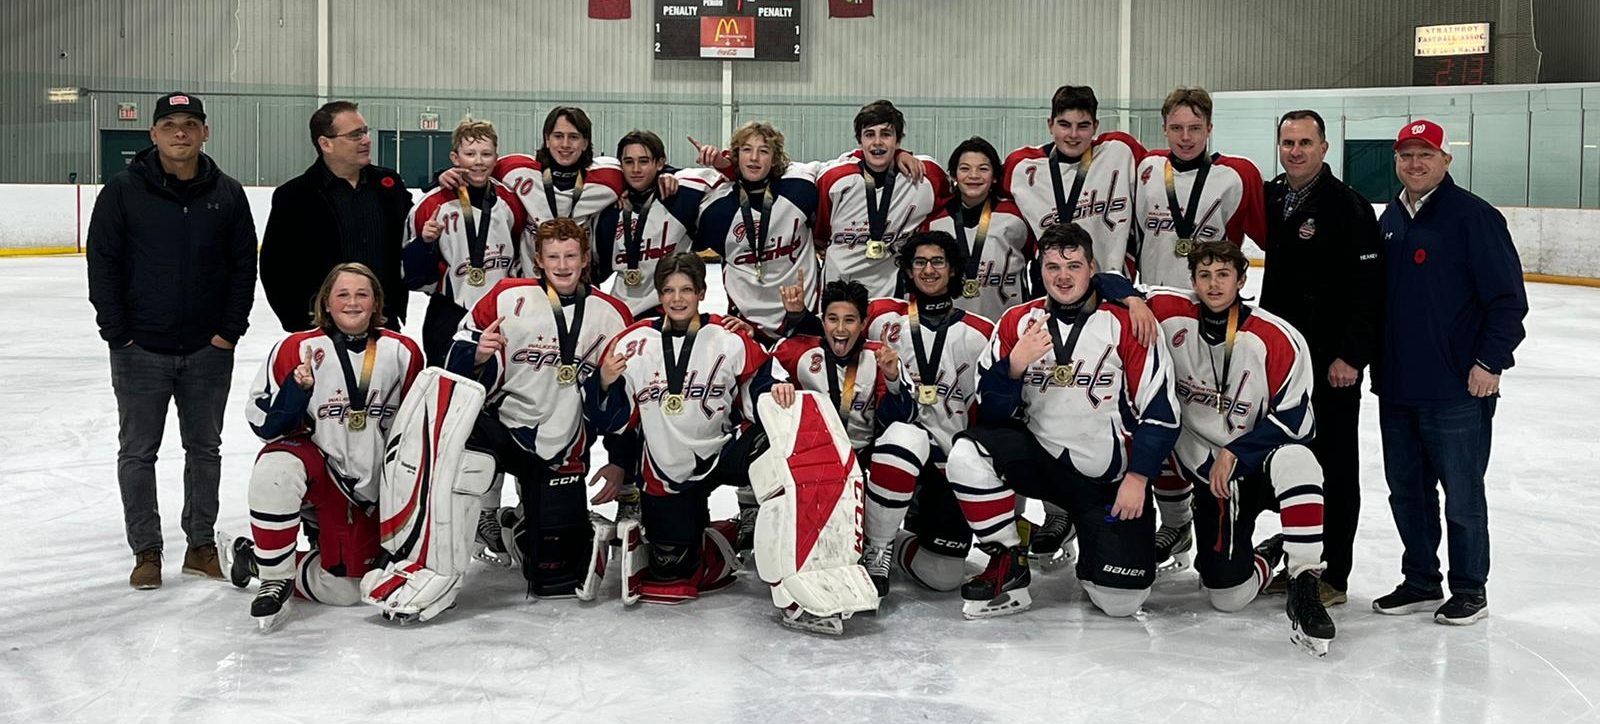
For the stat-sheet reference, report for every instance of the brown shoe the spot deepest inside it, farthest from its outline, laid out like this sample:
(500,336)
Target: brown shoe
(201,560)
(1278,586)
(146,570)
(1330,596)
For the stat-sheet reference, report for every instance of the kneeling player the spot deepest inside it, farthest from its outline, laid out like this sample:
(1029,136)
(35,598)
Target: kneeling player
(323,402)
(1073,410)
(1244,380)
(532,344)
(687,383)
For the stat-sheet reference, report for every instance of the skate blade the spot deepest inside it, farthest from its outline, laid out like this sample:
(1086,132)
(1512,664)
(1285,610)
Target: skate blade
(808,623)
(1173,566)
(1007,604)
(1060,557)
(493,558)
(268,624)
(1310,644)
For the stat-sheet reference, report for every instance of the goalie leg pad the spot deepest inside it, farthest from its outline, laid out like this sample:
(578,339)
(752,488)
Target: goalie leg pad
(808,537)
(556,539)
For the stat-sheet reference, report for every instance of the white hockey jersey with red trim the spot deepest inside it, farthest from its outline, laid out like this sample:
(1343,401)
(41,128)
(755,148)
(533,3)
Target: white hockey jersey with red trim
(1230,207)
(752,281)
(802,361)
(544,415)
(888,321)
(1002,269)
(1265,399)
(278,407)
(602,183)
(501,249)
(669,226)
(1105,202)
(842,228)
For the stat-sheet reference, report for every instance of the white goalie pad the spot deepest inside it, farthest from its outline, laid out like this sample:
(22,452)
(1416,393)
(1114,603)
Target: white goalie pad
(429,500)
(811,490)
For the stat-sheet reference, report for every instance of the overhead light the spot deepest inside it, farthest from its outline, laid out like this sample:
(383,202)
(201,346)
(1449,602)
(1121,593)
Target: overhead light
(63,95)
(1461,143)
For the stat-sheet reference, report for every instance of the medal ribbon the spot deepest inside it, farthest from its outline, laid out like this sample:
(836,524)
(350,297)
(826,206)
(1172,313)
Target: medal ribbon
(756,237)
(1064,351)
(1227,358)
(1065,212)
(927,367)
(877,213)
(565,338)
(550,194)
(1182,220)
(477,237)
(982,234)
(677,368)
(633,243)
(842,398)
(358,387)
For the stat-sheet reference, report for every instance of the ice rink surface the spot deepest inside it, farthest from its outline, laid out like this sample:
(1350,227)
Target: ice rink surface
(77,644)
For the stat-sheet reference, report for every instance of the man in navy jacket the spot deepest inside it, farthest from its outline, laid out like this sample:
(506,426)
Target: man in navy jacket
(1453,318)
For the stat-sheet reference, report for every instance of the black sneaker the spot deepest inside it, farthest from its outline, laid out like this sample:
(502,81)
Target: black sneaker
(1405,600)
(1463,609)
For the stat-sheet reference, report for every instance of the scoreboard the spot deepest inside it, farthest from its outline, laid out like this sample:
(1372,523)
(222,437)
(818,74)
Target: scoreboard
(1460,54)
(728,30)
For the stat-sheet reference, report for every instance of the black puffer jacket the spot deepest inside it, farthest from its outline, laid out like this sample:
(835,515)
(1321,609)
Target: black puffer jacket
(171,264)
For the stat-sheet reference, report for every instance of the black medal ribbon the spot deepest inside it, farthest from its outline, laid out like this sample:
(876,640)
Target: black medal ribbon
(1183,219)
(565,337)
(829,363)
(1064,210)
(928,366)
(677,368)
(959,214)
(757,238)
(877,213)
(358,387)
(550,194)
(478,234)
(1064,350)
(633,243)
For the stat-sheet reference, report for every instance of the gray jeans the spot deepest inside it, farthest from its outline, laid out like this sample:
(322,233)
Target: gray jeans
(146,383)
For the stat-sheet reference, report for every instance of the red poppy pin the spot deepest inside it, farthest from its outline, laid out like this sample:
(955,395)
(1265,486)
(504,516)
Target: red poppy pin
(1420,256)
(388,182)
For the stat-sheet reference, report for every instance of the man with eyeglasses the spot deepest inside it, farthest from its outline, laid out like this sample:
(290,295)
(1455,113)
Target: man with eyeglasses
(342,209)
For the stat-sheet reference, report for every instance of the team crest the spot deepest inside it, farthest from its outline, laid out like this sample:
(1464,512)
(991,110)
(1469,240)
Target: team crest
(1308,229)
(1418,129)
(1178,339)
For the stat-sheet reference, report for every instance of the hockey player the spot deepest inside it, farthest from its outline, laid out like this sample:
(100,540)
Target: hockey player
(865,208)
(532,344)
(1244,379)
(688,384)
(1082,175)
(323,403)
(997,240)
(1185,194)
(462,242)
(646,224)
(1074,410)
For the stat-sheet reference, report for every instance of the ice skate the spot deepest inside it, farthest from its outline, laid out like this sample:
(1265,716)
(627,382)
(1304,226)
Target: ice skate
(237,558)
(491,540)
(1002,588)
(1173,546)
(1054,543)
(1311,628)
(272,603)
(800,620)
(878,560)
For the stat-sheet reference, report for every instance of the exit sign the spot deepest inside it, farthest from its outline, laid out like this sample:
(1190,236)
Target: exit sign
(127,111)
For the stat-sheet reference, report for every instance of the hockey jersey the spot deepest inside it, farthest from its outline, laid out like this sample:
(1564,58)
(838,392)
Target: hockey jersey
(785,208)
(844,229)
(523,383)
(658,228)
(1104,203)
(1001,266)
(956,376)
(1116,411)
(1264,400)
(722,378)
(1229,206)
(278,407)
(598,187)
(444,266)
(874,401)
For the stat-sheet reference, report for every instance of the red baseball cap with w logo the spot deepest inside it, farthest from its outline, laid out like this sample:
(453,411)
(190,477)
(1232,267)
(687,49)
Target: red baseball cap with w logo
(1425,131)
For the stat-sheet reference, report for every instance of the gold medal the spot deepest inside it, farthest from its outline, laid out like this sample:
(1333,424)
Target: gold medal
(1222,404)
(1061,375)
(476,277)
(969,288)
(1183,248)
(566,374)
(761,273)
(877,250)
(632,277)
(356,420)
(672,404)
(927,394)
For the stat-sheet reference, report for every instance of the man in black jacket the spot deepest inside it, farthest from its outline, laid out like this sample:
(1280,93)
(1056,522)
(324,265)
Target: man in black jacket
(172,275)
(342,209)
(1324,275)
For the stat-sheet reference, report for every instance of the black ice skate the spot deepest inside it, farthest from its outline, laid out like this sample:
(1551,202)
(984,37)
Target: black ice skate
(236,556)
(271,605)
(1053,543)
(1311,628)
(1002,588)
(877,560)
(1173,544)
(491,540)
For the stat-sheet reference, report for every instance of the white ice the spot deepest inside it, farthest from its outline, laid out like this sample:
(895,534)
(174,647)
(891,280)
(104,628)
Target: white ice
(77,644)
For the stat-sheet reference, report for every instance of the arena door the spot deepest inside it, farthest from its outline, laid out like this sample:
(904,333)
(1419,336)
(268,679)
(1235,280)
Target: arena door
(1369,169)
(117,149)
(416,155)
